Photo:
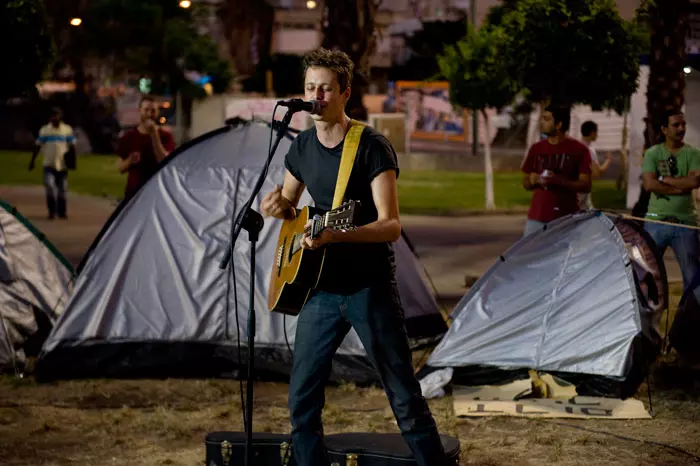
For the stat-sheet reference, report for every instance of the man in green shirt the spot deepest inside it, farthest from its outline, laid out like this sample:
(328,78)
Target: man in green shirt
(670,172)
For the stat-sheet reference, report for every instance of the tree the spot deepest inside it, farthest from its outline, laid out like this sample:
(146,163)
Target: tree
(667,25)
(668,28)
(479,80)
(495,15)
(156,39)
(348,26)
(572,52)
(425,45)
(27,50)
(248,27)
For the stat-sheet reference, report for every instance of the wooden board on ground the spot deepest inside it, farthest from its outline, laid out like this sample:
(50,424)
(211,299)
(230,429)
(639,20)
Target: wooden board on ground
(503,401)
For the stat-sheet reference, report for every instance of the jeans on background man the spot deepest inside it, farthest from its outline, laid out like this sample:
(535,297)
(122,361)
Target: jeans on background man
(56,185)
(685,245)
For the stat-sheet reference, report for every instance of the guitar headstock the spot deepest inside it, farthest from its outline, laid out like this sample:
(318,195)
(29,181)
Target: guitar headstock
(342,217)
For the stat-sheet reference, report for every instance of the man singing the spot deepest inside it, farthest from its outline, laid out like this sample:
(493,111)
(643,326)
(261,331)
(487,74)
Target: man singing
(358,287)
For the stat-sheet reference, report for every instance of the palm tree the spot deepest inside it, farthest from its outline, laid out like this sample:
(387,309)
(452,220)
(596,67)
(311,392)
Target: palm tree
(348,25)
(248,27)
(668,28)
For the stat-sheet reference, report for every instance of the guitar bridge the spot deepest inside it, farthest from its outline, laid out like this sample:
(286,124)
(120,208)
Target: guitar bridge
(280,253)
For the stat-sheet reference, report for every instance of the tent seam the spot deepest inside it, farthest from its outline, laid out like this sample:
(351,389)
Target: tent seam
(549,309)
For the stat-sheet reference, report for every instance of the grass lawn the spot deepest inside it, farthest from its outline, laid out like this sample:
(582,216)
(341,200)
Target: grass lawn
(433,192)
(97,175)
(420,192)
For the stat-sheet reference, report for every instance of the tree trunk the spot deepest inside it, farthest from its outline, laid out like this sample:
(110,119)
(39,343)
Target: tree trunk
(248,26)
(488,166)
(666,89)
(348,26)
(624,155)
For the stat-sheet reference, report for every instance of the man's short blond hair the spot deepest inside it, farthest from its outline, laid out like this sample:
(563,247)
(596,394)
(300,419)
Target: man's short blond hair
(335,60)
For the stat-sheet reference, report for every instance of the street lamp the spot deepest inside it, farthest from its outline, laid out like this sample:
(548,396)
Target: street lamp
(185,3)
(310,4)
(76,22)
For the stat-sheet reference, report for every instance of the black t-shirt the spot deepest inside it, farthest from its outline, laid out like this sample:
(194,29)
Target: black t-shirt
(348,267)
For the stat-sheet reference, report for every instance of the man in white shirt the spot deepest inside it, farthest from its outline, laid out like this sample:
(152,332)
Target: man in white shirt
(589,134)
(54,141)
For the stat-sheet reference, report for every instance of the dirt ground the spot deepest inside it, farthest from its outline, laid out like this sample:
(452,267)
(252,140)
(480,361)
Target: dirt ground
(164,422)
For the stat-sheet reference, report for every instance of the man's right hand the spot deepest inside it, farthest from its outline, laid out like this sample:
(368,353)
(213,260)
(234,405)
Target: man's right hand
(134,158)
(274,204)
(534,178)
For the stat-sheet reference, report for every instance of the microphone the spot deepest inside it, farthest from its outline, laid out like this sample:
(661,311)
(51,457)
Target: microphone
(297,105)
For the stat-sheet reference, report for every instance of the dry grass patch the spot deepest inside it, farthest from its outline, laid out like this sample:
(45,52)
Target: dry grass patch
(164,422)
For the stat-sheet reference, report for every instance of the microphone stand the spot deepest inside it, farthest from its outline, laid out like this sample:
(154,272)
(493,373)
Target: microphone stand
(251,221)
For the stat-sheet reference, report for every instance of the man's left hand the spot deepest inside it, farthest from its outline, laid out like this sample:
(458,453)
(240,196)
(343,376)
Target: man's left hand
(553,179)
(324,238)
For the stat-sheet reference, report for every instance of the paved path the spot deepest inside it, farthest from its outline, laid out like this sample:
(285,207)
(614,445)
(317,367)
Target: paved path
(451,248)
(72,236)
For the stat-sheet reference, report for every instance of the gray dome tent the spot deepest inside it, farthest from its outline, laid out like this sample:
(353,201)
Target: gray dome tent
(581,299)
(35,282)
(150,299)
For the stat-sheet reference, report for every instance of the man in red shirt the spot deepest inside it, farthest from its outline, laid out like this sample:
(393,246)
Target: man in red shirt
(141,149)
(556,170)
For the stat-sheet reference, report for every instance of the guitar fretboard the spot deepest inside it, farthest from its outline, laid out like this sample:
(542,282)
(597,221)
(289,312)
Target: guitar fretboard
(296,245)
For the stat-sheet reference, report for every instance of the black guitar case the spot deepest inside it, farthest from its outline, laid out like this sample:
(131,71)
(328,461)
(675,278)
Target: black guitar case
(228,449)
(370,449)
(351,449)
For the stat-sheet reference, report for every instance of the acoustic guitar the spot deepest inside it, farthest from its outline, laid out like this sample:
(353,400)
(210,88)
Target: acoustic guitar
(296,271)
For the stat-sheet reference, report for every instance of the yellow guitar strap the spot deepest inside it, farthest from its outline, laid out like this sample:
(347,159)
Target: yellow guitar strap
(347,160)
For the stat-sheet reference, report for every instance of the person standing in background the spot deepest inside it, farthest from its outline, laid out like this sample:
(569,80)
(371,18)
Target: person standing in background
(556,169)
(56,143)
(141,149)
(589,134)
(670,172)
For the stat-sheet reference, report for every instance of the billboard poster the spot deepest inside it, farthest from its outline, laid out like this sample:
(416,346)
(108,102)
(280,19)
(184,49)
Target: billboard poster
(429,113)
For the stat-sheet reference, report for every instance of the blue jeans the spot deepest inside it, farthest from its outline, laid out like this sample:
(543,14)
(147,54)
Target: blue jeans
(532,226)
(684,242)
(56,184)
(377,317)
